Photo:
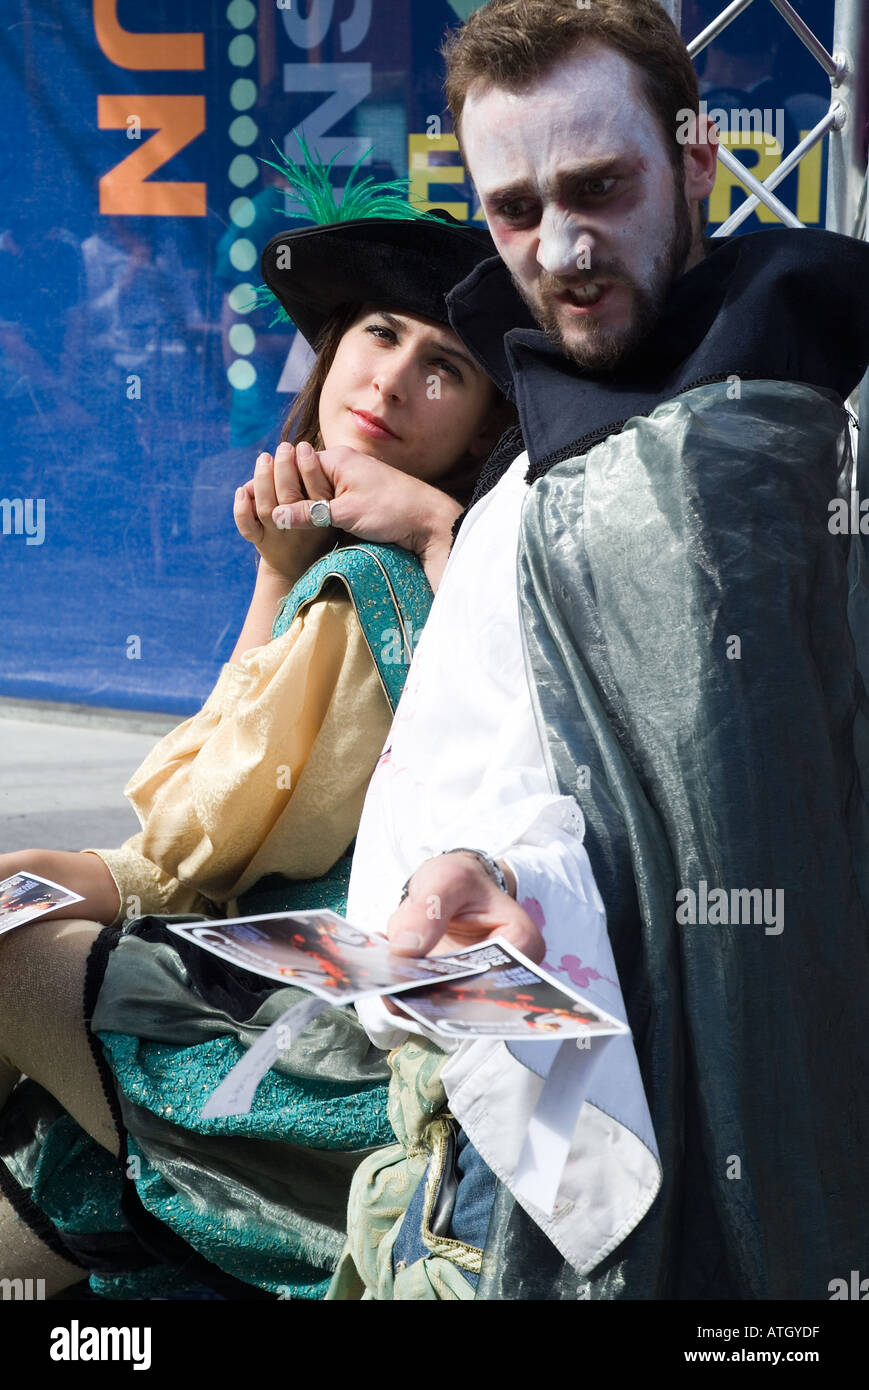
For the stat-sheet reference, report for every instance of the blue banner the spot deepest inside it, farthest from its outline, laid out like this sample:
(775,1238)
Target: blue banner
(136,384)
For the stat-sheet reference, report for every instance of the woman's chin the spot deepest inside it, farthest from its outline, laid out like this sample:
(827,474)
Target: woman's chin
(383,449)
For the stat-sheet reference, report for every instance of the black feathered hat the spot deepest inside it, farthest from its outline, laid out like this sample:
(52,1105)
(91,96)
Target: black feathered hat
(373,246)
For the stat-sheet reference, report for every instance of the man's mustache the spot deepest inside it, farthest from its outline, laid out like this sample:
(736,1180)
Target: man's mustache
(549,285)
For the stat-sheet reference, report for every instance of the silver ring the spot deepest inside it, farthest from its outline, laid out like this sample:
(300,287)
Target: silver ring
(321,514)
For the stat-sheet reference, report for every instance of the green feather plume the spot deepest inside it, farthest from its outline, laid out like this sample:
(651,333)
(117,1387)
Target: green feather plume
(312,190)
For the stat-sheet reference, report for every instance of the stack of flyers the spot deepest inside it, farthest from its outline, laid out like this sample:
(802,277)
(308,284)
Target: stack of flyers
(320,952)
(513,999)
(486,991)
(25,896)
(508,996)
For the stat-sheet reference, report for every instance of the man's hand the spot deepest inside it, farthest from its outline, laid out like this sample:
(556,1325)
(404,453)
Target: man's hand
(453,903)
(376,502)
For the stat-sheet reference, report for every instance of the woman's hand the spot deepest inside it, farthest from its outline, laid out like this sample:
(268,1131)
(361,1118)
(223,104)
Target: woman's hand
(371,500)
(284,555)
(277,481)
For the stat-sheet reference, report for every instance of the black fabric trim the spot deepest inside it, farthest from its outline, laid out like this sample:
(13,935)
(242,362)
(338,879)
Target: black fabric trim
(743,308)
(95,969)
(106,1253)
(584,442)
(40,1224)
(223,985)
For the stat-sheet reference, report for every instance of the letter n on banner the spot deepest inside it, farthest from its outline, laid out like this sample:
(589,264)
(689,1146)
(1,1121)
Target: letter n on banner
(145,52)
(177,120)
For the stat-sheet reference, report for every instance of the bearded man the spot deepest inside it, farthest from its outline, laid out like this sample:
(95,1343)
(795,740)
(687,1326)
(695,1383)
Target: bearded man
(634,713)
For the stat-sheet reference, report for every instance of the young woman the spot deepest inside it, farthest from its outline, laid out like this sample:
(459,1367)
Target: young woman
(250,806)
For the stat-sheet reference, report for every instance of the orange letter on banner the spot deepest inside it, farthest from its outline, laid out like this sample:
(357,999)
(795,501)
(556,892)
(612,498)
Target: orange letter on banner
(177,121)
(151,52)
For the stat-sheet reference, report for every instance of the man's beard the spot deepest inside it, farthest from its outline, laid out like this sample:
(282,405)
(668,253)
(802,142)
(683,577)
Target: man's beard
(600,348)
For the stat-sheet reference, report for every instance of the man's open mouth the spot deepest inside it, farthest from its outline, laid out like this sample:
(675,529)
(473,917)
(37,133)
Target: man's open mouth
(585,295)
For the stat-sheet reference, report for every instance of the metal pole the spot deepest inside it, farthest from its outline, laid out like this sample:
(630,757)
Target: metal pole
(705,37)
(847,170)
(829,122)
(802,30)
(846,191)
(754,186)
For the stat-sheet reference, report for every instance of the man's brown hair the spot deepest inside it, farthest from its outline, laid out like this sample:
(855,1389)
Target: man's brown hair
(512,43)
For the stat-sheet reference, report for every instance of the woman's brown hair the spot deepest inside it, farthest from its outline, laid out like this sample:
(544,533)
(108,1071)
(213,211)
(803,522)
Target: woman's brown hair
(303,421)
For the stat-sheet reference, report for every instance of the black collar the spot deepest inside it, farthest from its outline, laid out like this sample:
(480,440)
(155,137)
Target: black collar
(785,305)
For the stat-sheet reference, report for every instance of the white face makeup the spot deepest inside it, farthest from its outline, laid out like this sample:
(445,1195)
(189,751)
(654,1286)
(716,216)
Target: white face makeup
(580,195)
(561,242)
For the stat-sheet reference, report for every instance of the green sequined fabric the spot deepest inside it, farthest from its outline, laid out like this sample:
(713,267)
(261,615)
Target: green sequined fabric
(389,592)
(272,892)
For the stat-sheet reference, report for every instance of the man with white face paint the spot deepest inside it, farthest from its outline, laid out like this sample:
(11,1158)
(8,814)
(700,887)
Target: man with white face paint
(638,679)
(597,217)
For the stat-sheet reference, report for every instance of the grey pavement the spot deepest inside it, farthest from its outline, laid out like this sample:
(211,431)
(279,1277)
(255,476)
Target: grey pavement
(62,774)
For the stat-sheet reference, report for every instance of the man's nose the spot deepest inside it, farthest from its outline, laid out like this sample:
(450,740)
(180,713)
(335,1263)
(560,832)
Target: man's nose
(564,245)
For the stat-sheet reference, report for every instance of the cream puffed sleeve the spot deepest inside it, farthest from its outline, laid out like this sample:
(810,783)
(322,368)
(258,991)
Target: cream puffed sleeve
(144,887)
(270,775)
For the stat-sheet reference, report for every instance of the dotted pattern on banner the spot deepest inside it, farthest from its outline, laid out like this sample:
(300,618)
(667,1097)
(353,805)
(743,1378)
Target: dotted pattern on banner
(243,170)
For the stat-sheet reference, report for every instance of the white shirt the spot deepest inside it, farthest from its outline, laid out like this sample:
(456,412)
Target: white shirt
(464,766)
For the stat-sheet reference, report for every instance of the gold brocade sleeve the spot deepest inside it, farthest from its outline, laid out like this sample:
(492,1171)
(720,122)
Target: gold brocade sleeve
(270,775)
(143,887)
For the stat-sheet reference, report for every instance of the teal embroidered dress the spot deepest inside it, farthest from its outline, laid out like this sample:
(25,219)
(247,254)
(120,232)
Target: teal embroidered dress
(247,1206)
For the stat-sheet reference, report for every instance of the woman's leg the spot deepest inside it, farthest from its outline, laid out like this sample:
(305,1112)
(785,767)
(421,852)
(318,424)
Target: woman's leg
(43,1036)
(24,1256)
(42,1030)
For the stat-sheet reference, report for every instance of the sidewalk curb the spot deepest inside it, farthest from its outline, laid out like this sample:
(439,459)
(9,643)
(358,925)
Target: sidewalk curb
(88,716)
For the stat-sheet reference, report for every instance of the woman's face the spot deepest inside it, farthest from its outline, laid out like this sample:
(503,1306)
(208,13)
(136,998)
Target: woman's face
(405,390)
